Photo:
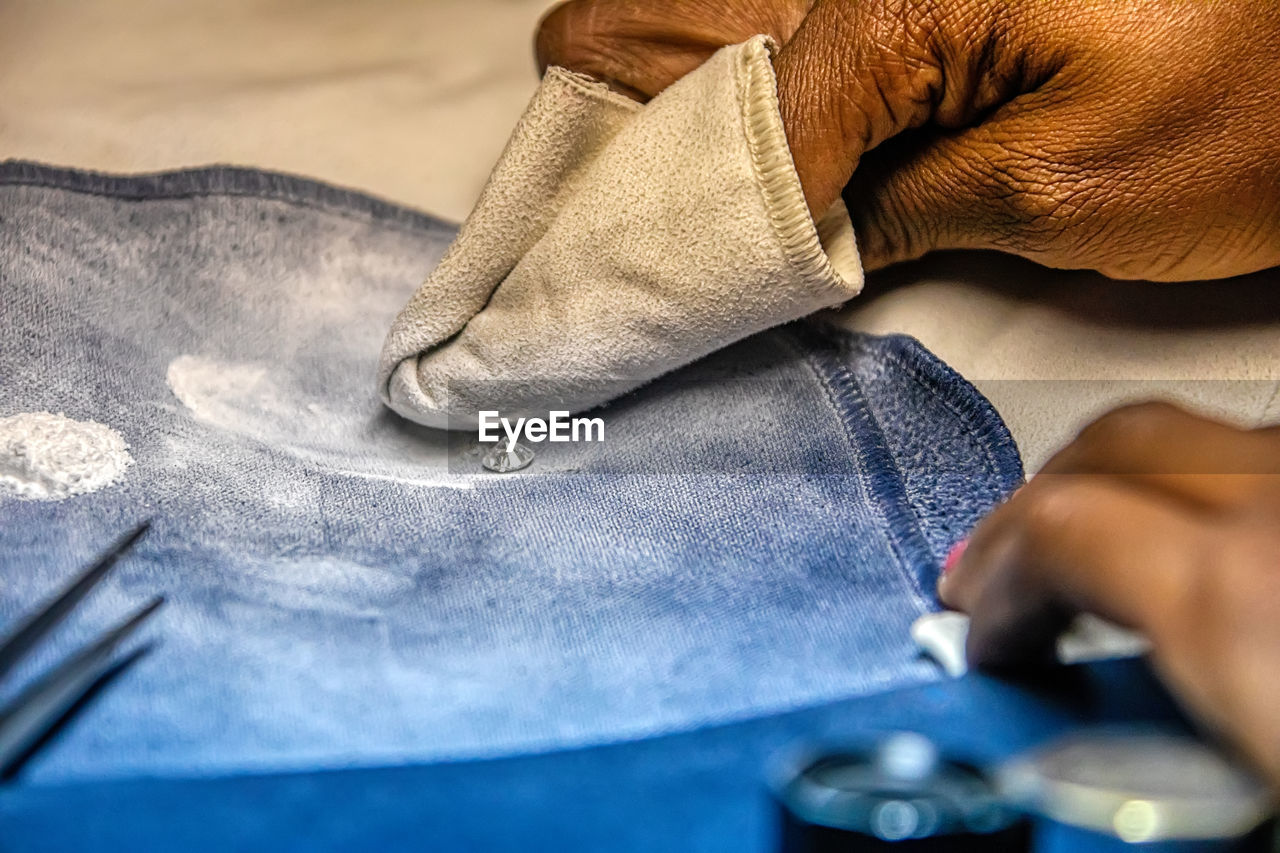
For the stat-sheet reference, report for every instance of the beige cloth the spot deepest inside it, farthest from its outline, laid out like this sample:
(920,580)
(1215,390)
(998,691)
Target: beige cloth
(614,243)
(414,100)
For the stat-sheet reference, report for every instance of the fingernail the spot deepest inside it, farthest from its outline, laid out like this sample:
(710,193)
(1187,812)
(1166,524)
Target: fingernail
(954,555)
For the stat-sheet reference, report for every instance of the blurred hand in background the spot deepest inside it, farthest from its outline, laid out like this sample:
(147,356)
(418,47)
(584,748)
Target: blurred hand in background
(1162,521)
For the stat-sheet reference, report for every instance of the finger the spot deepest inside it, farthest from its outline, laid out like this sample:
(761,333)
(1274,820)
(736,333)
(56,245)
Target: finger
(552,33)
(582,35)
(641,48)
(1071,544)
(1163,447)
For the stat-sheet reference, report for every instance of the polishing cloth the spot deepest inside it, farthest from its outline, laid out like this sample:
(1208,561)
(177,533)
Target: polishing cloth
(615,243)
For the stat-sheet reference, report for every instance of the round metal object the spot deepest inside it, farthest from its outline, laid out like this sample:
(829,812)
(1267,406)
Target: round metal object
(1138,788)
(901,796)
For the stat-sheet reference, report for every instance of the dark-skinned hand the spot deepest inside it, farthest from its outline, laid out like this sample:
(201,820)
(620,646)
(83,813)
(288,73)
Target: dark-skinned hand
(1138,139)
(1162,521)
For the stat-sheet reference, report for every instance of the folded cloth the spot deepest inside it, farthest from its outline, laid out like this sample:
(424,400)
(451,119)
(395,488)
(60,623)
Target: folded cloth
(615,243)
(755,533)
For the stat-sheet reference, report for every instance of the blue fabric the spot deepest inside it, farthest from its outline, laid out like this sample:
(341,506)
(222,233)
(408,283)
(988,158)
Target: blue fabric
(704,790)
(347,590)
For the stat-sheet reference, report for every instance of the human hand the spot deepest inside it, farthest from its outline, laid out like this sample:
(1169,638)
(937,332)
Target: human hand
(1141,139)
(1161,521)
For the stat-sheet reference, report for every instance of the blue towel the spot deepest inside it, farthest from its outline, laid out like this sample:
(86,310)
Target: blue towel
(754,535)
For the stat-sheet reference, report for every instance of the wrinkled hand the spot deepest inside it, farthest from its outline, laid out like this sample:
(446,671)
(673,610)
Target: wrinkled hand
(1138,139)
(1159,520)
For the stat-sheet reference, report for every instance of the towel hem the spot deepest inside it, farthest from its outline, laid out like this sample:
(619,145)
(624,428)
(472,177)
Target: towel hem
(784,200)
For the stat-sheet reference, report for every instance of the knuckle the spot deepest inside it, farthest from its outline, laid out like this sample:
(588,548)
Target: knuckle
(1057,505)
(894,54)
(1135,422)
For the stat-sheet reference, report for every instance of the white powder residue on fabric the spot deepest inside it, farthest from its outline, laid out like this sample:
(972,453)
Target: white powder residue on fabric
(44,456)
(246,399)
(240,397)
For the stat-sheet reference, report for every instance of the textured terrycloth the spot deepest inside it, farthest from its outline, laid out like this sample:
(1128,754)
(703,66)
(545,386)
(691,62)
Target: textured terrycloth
(756,533)
(615,243)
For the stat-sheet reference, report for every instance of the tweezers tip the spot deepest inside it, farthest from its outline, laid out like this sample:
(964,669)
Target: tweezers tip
(17,644)
(145,611)
(137,532)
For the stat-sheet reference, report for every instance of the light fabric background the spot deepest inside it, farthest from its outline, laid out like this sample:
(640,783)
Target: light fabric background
(414,99)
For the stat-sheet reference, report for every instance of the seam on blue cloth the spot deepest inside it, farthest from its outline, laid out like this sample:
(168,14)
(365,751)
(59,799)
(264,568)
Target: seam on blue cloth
(866,439)
(983,428)
(986,431)
(219,180)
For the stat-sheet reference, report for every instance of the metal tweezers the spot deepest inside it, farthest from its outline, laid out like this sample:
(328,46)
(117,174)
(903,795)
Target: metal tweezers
(38,709)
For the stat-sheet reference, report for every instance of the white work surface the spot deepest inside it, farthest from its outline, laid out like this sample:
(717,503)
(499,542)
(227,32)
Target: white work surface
(412,100)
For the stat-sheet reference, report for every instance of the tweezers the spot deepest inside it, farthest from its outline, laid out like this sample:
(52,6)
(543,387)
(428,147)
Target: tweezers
(38,709)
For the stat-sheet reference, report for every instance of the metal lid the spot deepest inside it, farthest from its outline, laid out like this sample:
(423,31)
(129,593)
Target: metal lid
(902,790)
(1137,786)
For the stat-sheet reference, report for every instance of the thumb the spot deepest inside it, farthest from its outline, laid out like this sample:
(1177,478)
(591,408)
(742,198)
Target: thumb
(857,73)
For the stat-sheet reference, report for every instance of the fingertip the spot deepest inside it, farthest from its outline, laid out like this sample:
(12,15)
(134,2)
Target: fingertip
(549,35)
(954,555)
(948,566)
